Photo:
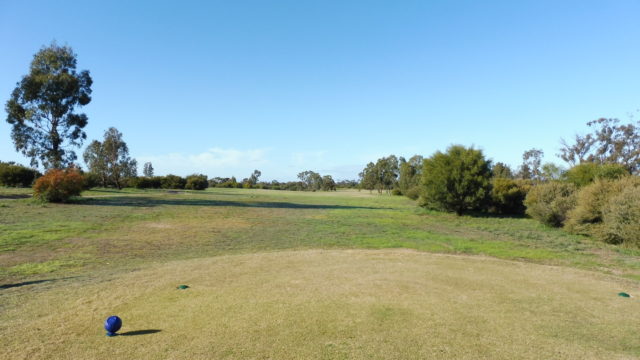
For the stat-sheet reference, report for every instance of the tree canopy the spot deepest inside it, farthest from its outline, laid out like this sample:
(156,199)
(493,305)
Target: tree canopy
(383,175)
(110,159)
(610,143)
(41,108)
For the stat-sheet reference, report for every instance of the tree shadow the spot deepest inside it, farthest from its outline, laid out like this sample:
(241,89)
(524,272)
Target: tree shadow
(139,332)
(32,282)
(490,215)
(14,196)
(141,201)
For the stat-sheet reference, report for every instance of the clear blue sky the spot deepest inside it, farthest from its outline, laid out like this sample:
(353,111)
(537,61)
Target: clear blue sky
(225,87)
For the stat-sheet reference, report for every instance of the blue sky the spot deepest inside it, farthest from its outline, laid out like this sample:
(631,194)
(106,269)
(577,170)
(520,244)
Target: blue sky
(225,87)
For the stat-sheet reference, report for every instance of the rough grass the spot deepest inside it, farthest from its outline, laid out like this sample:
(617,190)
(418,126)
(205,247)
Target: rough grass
(331,304)
(132,228)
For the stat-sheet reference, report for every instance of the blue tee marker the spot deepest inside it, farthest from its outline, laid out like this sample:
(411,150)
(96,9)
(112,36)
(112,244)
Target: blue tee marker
(112,325)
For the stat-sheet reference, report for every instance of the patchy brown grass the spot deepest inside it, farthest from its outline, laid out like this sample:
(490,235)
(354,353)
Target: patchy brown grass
(339,304)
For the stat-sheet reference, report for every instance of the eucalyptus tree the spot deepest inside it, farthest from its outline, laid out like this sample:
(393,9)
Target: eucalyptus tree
(41,109)
(148,169)
(110,159)
(610,143)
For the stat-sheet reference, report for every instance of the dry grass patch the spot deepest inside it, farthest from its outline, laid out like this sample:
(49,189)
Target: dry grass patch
(315,304)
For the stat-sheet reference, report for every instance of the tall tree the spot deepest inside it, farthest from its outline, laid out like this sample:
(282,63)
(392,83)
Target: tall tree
(531,163)
(328,184)
(388,172)
(255,176)
(410,173)
(148,169)
(368,177)
(610,143)
(311,180)
(41,108)
(110,158)
(96,161)
(383,175)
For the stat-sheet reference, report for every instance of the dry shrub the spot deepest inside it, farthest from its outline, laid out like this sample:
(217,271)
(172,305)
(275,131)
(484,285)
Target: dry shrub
(587,218)
(58,185)
(549,203)
(622,218)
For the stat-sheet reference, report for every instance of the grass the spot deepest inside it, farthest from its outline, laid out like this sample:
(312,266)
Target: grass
(125,251)
(333,304)
(137,227)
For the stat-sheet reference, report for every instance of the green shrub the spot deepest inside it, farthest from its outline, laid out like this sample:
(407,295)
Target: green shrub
(91,180)
(197,182)
(586,173)
(622,218)
(612,171)
(15,175)
(413,193)
(550,202)
(146,182)
(173,182)
(507,195)
(58,185)
(458,180)
(396,192)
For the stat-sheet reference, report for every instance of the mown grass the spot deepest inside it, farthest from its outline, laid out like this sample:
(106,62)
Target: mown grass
(332,304)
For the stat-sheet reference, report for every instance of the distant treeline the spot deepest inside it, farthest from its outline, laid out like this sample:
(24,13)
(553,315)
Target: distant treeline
(309,181)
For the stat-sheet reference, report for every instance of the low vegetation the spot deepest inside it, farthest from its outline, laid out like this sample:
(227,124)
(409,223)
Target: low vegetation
(58,185)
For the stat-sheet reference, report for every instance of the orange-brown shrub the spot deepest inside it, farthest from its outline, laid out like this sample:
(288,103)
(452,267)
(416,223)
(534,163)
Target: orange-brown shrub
(58,185)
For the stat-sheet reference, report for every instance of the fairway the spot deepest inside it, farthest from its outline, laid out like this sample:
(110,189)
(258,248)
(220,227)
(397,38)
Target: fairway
(295,275)
(351,304)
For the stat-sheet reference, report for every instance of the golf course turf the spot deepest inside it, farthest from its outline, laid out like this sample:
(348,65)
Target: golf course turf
(286,275)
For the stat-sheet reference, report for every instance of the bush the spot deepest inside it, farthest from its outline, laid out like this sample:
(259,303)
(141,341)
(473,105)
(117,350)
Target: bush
(91,180)
(587,218)
(550,202)
(458,180)
(622,218)
(507,195)
(153,182)
(586,173)
(413,193)
(196,182)
(173,182)
(396,192)
(17,175)
(58,185)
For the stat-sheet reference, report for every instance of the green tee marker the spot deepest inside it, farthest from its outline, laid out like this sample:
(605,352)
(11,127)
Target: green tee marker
(182,287)
(624,294)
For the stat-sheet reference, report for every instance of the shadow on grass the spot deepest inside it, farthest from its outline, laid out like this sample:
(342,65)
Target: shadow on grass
(489,215)
(139,332)
(32,282)
(141,201)
(14,196)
